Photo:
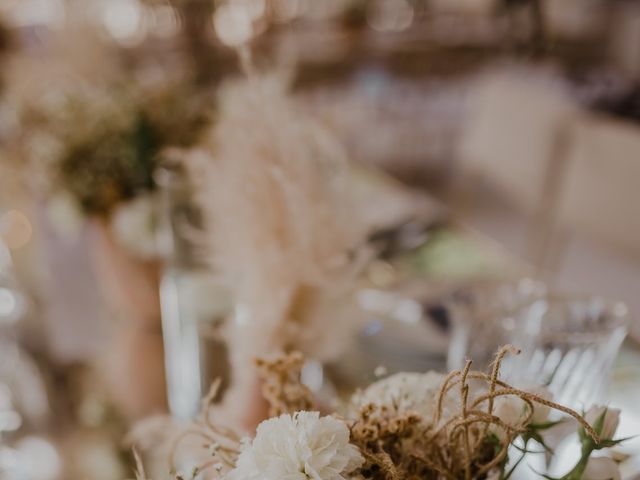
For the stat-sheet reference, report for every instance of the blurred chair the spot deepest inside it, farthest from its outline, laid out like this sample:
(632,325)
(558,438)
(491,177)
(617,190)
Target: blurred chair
(600,195)
(567,182)
(597,227)
(515,142)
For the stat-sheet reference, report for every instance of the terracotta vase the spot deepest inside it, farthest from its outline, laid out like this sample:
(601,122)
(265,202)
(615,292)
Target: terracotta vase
(135,360)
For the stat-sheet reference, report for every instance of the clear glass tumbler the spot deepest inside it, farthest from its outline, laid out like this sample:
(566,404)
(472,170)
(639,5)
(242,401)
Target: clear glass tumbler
(569,345)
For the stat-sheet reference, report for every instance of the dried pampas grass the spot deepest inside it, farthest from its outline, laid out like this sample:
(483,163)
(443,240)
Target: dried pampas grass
(281,226)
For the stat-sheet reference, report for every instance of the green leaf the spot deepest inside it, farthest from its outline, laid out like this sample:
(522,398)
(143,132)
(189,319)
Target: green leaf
(545,426)
(611,443)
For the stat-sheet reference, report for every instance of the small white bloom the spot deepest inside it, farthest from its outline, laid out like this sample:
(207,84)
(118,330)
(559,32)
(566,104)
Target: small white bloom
(65,215)
(133,225)
(601,468)
(610,423)
(299,447)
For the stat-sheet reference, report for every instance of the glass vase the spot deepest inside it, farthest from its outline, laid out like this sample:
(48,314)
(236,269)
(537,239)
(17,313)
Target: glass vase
(193,304)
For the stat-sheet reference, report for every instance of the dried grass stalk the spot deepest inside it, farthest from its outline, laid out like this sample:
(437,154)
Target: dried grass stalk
(281,231)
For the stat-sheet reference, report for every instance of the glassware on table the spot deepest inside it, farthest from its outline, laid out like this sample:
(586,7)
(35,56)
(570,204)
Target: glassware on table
(193,304)
(569,345)
(485,316)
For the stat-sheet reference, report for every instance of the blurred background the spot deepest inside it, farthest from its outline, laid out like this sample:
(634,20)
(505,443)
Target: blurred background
(511,126)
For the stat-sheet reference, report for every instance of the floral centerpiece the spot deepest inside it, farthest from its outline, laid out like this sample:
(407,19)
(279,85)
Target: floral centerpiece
(465,425)
(94,149)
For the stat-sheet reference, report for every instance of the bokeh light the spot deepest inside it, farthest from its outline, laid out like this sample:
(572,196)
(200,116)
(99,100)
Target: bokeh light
(8,305)
(16,229)
(233,24)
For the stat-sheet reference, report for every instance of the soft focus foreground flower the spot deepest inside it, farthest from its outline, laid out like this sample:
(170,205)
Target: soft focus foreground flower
(299,447)
(406,392)
(601,468)
(609,418)
(133,225)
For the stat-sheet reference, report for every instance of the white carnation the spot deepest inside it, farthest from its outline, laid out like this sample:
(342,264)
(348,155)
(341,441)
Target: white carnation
(133,226)
(299,447)
(406,392)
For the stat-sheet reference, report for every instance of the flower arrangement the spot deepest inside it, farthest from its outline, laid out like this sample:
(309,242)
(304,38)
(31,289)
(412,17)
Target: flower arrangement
(465,425)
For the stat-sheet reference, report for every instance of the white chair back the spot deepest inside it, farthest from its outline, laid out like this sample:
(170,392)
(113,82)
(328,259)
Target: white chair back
(600,195)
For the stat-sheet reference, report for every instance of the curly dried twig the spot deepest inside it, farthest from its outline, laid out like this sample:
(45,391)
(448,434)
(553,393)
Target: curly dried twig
(443,391)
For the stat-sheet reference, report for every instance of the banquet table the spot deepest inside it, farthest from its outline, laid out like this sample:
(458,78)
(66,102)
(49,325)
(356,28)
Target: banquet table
(464,253)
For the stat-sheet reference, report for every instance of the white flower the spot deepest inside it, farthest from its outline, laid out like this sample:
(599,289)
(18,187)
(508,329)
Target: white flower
(609,424)
(540,412)
(601,468)
(408,392)
(133,226)
(299,447)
